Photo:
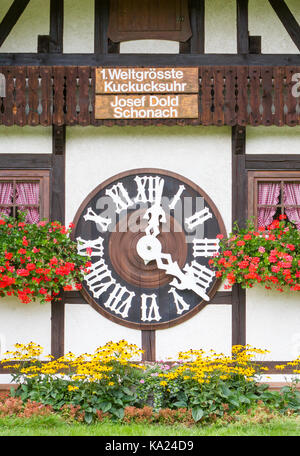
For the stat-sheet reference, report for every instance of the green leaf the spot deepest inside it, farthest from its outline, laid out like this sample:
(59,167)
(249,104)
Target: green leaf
(180,404)
(197,413)
(105,406)
(88,417)
(119,413)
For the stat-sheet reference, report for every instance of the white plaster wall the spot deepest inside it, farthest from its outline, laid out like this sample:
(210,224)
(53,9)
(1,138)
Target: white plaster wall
(33,22)
(264,21)
(23,323)
(273,140)
(273,322)
(25,140)
(149,47)
(220,27)
(79,26)
(86,329)
(209,329)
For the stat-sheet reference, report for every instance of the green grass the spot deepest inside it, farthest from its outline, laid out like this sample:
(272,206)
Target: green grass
(55,426)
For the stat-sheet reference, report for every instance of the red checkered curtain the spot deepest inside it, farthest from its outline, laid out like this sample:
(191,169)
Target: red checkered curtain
(292,197)
(6,193)
(268,193)
(28,193)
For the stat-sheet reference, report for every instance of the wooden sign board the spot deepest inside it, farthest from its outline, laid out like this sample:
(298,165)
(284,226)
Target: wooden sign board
(146,106)
(146,93)
(146,80)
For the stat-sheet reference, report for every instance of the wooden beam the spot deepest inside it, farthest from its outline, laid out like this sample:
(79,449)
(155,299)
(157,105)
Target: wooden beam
(56,25)
(53,43)
(242,26)
(239,208)
(151,60)
(58,213)
(196,44)
(148,345)
(58,326)
(26,161)
(101,26)
(287,19)
(11,18)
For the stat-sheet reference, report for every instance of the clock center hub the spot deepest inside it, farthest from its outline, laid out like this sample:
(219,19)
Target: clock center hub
(132,253)
(148,248)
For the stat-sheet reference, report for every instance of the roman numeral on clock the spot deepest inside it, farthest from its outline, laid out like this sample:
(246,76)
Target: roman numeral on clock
(99,278)
(115,303)
(181,305)
(198,218)
(149,188)
(90,247)
(201,276)
(205,247)
(120,197)
(102,221)
(149,308)
(176,197)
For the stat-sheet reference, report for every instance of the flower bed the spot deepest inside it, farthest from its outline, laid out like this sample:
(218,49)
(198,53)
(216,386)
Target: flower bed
(269,256)
(111,383)
(38,260)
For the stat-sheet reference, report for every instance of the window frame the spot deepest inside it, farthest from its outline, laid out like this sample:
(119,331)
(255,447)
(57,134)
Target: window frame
(256,177)
(30,175)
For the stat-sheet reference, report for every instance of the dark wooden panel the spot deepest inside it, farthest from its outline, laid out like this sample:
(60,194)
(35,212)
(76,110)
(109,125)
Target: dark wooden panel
(26,161)
(148,345)
(57,327)
(242,97)
(230,100)
(33,99)
(239,208)
(292,118)
(227,96)
(238,315)
(59,96)
(101,26)
(56,25)
(267,92)
(197,21)
(218,113)
(206,96)
(242,27)
(46,95)
(154,19)
(71,96)
(151,60)
(279,86)
(255,100)
(272,162)
(8,101)
(20,116)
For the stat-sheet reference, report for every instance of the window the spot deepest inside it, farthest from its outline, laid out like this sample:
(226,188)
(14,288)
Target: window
(26,191)
(274,193)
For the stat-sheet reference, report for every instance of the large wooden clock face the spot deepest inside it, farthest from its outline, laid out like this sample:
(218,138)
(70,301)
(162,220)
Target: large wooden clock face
(150,234)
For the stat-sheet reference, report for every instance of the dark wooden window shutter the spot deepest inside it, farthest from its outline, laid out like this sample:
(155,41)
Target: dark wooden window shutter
(149,19)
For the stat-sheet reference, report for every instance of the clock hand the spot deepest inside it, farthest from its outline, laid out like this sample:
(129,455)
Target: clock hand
(149,249)
(155,215)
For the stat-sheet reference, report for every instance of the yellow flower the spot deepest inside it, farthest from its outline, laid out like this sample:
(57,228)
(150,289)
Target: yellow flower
(72,388)
(163,383)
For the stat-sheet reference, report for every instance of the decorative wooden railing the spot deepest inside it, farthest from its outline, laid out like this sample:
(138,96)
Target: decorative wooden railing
(229,95)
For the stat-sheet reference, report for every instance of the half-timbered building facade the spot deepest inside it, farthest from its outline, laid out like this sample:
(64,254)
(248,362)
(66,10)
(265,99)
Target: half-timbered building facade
(119,104)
